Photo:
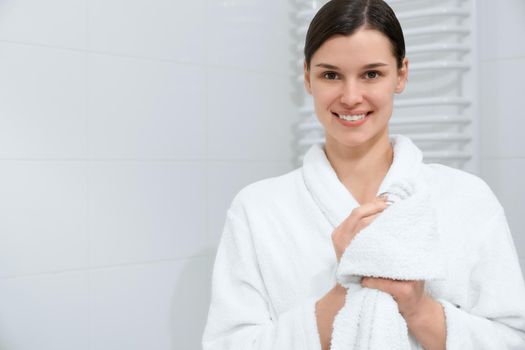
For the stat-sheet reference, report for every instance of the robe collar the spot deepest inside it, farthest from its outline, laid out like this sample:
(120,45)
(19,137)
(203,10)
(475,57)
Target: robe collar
(333,199)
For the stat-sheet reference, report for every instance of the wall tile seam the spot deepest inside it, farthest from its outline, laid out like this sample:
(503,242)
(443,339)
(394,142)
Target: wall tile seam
(88,183)
(485,157)
(40,45)
(278,74)
(210,254)
(251,160)
(103,160)
(247,161)
(503,59)
(207,237)
(152,59)
(174,161)
(101,53)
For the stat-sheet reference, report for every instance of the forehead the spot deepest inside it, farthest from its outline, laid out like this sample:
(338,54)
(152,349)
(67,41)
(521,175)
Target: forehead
(362,47)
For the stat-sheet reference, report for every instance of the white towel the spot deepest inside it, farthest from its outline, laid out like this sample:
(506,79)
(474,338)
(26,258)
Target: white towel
(401,243)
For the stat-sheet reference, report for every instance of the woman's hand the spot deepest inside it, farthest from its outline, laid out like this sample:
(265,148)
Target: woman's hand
(358,219)
(424,316)
(409,295)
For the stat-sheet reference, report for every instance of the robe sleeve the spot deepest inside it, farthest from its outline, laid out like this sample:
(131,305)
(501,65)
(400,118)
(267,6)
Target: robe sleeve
(239,315)
(495,318)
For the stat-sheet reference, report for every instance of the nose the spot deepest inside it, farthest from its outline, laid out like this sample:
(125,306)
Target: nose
(352,93)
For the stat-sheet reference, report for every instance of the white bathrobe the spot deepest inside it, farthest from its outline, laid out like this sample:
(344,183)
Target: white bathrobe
(276,258)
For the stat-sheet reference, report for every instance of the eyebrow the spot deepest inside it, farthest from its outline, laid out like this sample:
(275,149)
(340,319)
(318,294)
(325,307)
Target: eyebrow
(368,66)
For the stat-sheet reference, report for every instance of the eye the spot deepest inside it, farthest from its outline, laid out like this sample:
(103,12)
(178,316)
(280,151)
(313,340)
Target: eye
(372,74)
(330,75)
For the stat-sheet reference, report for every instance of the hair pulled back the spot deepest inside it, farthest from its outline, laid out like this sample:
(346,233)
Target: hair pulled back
(344,17)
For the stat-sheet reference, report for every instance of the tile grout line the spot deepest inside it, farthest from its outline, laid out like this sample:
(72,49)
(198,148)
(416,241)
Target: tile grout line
(501,158)
(207,142)
(107,267)
(502,59)
(157,160)
(256,71)
(87,170)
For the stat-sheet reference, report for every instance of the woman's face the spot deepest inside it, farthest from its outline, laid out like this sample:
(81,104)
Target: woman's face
(355,78)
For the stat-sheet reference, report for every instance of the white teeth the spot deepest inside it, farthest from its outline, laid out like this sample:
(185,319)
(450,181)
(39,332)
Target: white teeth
(352,117)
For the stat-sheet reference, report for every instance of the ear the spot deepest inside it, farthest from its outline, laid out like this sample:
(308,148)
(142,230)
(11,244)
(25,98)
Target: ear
(402,76)
(307,83)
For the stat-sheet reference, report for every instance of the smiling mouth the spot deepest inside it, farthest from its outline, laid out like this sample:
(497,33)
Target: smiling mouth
(351,117)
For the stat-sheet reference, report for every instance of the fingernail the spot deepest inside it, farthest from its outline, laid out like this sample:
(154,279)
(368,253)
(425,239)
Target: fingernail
(383,196)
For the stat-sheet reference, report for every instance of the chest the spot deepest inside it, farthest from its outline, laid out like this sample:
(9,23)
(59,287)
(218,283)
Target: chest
(297,260)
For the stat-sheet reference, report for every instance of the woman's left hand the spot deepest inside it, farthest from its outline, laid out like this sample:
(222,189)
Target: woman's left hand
(425,317)
(409,295)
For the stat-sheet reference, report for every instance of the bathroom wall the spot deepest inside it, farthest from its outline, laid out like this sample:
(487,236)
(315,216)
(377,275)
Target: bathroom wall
(126,127)
(501,26)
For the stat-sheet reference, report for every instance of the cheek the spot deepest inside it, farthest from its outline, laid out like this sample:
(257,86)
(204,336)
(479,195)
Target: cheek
(382,95)
(324,95)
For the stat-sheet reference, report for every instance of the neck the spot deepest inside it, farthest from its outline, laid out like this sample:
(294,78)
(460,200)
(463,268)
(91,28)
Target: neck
(361,168)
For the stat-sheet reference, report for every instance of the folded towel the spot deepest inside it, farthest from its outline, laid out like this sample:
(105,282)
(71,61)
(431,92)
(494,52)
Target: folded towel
(402,243)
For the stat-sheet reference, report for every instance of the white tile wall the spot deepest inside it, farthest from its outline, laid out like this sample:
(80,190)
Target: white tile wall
(500,29)
(46,312)
(501,106)
(44,217)
(247,29)
(42,102)
(59,23)
(126,128)
(253,113)
(164,306)
(145,109)
(160,29)
(146,211)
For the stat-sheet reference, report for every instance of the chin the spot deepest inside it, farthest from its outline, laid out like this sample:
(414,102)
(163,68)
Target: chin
(356,140)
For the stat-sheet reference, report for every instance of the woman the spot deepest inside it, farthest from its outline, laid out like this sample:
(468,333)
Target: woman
(274,282)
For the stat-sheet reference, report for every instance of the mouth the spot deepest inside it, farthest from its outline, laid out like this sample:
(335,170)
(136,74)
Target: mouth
(354,117)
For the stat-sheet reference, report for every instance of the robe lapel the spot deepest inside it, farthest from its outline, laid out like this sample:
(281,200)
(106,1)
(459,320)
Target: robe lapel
(329,193)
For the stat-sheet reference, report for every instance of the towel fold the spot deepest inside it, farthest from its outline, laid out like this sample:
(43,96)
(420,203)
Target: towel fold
(402,243)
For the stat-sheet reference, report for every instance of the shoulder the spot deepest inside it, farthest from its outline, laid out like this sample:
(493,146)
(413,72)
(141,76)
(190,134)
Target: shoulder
(456,177)
(459,188)
(267,193)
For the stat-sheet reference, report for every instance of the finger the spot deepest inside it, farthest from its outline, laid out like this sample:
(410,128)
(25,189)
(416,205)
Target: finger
(365,222)
(366,210)
(370,208)
(381,284)
(399,289)
(383,196)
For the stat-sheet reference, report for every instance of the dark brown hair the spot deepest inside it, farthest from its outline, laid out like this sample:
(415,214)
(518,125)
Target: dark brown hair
(344,17)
